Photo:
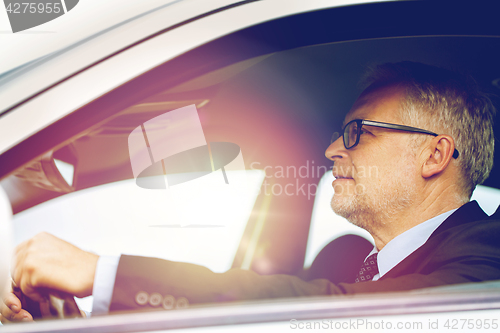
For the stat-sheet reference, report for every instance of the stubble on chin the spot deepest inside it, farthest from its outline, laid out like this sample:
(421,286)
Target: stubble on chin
(352,209)
(372,207)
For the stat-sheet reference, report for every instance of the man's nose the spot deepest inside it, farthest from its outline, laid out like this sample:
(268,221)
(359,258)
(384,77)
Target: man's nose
(336,150)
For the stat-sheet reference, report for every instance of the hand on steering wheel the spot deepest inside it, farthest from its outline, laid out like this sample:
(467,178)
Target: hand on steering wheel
(56,304)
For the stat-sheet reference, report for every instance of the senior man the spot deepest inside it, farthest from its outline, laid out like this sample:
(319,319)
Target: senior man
(426,136)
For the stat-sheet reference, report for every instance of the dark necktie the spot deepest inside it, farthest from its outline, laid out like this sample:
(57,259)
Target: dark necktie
(368,270)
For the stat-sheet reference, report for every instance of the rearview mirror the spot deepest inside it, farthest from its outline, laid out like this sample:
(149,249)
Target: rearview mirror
(54,171)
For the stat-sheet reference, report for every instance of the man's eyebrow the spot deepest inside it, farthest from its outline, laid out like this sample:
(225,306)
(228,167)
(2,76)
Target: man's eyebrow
(344,122)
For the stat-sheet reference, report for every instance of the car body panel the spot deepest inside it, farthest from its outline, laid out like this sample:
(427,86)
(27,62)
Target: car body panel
(424,306)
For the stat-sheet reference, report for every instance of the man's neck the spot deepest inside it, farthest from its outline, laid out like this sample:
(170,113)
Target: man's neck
(410,217)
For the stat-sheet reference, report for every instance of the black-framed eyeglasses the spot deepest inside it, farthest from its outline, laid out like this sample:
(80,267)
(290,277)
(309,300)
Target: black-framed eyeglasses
(352,132)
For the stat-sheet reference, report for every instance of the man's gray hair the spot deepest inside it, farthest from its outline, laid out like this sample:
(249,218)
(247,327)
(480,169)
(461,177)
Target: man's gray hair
(445,102)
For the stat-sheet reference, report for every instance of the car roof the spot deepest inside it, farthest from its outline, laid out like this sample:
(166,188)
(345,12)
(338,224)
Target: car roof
(71,29)
(73,47)
(39,59)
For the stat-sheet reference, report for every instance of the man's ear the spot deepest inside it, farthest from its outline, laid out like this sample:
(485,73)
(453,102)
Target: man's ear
(439,154)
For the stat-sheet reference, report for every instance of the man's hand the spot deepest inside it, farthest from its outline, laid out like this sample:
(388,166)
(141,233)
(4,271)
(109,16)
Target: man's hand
(10,309)
(48,262)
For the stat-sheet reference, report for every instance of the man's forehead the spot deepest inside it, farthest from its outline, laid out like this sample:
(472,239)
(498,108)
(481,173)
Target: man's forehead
(382,105)
(356,111)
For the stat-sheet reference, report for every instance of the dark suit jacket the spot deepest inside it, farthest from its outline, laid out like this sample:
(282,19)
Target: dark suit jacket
(464,248)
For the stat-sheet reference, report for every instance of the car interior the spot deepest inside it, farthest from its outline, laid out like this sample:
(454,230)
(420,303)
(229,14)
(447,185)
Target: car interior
(279,96)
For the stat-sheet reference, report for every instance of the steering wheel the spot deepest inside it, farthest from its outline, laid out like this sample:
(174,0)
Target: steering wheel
(57,305)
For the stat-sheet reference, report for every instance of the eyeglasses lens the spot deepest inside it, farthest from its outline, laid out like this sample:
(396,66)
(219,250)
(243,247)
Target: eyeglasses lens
(350,134)
(335,136)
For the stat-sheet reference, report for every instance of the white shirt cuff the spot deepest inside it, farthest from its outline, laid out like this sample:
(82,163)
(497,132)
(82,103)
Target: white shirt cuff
(104,281)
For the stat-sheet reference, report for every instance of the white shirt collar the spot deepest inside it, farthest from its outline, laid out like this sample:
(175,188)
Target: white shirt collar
(406,243)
